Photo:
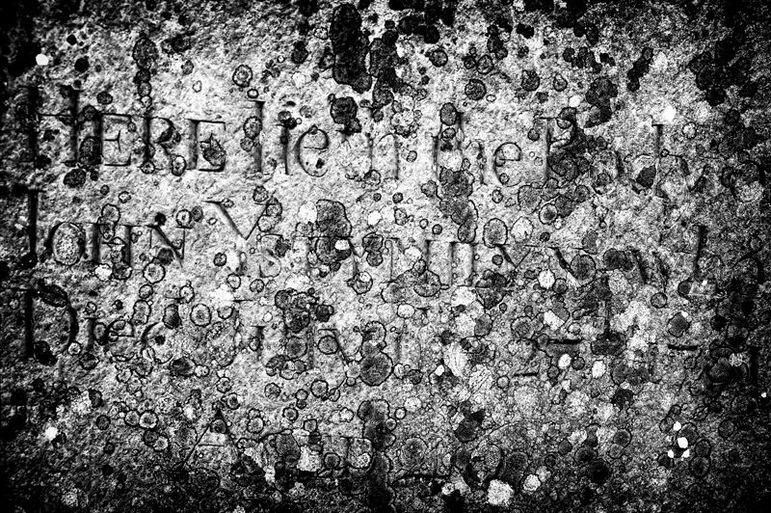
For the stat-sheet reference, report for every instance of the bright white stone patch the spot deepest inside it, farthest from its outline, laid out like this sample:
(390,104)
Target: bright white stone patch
(660,61)
(464,324)
(546,279)
(308,213)
(81,405)
(462,296)
(413,253)
(103,272)
(531,483)
(682,442)
(735,359)
(374,218)
(669,113)
(405,311)
(42,59)
(598,369)
(499,493)
(300,79)
(521,229)
(576,437)
(564,361)
(552,320)
(456,359)
(50,433)
(412,404)
(574,101)
(605,412)
(309,461)
(456,484)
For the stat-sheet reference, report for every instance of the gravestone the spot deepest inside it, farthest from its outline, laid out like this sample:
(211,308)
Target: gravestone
(402,255)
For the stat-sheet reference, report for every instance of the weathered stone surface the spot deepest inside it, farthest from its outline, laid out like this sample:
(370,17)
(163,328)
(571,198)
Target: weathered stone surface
(392,255)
